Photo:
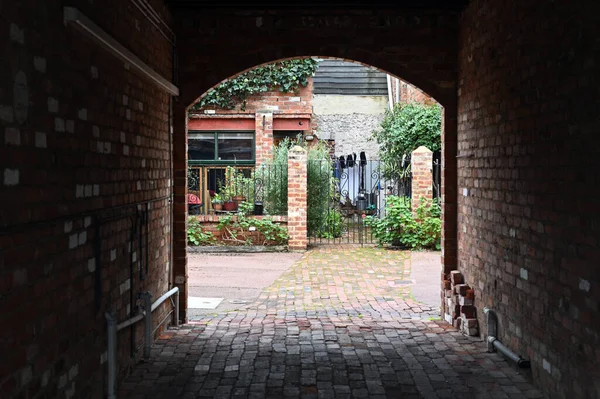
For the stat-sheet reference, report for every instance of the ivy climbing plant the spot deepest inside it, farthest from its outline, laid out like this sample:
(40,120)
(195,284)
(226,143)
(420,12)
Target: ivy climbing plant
(288,76)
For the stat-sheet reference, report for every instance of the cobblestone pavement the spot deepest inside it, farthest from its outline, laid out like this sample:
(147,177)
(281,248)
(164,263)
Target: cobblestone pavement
(338,324)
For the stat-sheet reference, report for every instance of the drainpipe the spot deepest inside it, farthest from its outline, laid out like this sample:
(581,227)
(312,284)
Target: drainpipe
(494,344)
(397,90)
(111,354)
(390,96)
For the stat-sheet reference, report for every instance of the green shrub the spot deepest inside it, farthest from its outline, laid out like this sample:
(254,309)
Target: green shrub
(196,235)
(321,194)
(403,130)
(272,180)
(333,226)
(400,228)
(237,229)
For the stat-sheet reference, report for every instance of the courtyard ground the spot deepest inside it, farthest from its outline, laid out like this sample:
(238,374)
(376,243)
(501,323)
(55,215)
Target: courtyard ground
(341,322)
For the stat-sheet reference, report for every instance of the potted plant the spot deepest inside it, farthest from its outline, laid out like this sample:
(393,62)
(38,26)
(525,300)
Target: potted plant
(241,187)
(230,205)
(217,202)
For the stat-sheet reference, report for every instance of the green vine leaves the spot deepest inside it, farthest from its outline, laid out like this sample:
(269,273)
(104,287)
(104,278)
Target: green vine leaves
(288,76)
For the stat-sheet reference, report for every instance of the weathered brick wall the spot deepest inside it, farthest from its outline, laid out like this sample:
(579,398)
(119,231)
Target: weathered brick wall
(209,224)
(272,100)
(410,94)
(528,171)
(79,134)
(264,137)
(297,198)
(422,180)
(263,107)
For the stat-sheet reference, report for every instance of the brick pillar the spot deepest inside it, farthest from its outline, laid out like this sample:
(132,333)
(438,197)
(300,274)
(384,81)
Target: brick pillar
(449,188)
(297,202)
(264,136)
(422,178)
(180,271)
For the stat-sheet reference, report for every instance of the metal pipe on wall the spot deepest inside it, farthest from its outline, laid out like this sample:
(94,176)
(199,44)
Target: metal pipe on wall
(495,344)
(113,328)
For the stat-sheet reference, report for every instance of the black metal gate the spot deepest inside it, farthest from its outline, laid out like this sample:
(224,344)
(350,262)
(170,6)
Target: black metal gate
(341,194)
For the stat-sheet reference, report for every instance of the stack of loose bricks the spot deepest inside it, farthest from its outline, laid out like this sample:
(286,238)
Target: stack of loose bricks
(459,308)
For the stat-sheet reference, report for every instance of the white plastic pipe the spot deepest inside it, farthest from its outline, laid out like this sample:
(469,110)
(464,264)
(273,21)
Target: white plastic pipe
(147,297)
(163,298)
(390,96)
(494,344)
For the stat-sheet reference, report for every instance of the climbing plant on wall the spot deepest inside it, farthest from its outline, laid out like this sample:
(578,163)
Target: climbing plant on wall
(288,76)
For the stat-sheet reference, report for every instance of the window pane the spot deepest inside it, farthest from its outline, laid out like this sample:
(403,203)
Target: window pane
(236,146)
(201,147)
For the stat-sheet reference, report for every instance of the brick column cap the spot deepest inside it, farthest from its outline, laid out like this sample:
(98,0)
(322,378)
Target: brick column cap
(297,148)
(422,149)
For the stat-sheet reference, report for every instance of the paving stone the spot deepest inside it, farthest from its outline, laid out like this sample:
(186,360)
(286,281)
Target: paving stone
(327,328)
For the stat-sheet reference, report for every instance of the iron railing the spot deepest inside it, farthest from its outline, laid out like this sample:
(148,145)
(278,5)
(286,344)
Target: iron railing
(219,189)
(341,195)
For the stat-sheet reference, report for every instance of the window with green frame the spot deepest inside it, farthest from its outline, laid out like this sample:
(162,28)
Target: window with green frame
(221,147)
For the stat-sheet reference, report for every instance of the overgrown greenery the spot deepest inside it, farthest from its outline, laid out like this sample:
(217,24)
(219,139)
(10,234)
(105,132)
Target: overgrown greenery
(273,176)
(399,227)
(322,220)
(196,235)
(403,130)
(288,76)
(333,226)
(239,229)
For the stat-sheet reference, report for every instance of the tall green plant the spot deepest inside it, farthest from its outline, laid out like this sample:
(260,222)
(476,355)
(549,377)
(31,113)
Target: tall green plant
(403,130)
(321,190)
(272,178)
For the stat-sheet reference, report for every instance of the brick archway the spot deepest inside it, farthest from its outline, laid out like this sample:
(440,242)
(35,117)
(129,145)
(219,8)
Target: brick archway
(418,46)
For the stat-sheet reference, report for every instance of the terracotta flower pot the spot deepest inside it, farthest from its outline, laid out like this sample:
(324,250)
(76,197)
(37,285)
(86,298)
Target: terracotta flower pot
(217,206)
(230,206)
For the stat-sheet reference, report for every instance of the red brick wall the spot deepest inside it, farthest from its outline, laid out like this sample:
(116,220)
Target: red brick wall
(264,136)
(83,134)
(410,94)
(297,199)
(422,180)
(209,224)
(528,176)
(273,100)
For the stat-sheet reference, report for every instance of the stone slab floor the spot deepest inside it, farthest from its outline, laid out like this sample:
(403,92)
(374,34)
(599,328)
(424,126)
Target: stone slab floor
(340,323)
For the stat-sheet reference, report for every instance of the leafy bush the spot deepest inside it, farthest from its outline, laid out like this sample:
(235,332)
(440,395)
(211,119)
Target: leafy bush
(403,130)
(333,226)
(273,177)
(237,229)
(400,227)
(196,235)
(320,189)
